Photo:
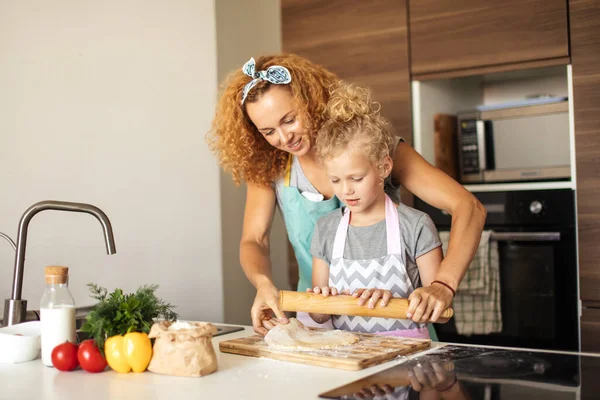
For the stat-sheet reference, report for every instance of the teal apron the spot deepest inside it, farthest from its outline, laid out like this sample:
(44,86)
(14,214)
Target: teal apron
(300,216)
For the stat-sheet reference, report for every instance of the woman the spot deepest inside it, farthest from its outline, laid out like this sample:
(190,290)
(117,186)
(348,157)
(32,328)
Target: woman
(263,133)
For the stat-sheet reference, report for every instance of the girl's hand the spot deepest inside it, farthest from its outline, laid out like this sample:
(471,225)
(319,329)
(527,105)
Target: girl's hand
(265,311)
(372,295)
(326,290)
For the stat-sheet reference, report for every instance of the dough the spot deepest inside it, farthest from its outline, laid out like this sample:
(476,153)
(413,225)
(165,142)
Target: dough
(296,336)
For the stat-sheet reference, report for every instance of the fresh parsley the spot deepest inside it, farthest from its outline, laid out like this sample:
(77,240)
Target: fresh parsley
(118,313)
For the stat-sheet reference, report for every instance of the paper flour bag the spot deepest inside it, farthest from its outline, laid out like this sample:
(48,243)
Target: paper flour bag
(183,348)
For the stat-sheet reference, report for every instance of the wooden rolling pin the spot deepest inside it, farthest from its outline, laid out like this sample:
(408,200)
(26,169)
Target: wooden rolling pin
(346,305)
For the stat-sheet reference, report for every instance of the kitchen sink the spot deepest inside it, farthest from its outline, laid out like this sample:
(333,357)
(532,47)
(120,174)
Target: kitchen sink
(221,330)
(225,329)
(82,312)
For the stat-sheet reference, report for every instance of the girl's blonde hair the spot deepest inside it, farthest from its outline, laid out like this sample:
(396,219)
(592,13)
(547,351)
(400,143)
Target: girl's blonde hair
(354,120)
(240,148)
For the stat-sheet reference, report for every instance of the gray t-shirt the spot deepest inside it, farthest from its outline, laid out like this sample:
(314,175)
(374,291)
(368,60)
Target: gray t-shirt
(301,182)
(418,232)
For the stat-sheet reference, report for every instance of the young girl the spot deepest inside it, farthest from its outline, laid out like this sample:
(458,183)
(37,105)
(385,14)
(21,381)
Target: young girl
(371,248)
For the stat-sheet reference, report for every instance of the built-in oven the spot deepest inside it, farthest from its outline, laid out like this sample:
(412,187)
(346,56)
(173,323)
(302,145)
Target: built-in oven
(536,236)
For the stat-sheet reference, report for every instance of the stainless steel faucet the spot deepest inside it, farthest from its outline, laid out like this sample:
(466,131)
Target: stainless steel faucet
(9,240)
(15,308)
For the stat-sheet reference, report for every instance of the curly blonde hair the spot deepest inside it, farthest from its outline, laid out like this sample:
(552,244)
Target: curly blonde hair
(239,146)
(354,120)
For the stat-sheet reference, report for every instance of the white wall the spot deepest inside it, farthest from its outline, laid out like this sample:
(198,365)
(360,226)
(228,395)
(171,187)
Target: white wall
(448,96)
(245,28)
(107,102)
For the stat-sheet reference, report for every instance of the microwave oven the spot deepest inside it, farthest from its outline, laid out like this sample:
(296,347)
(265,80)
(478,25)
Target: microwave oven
(526,142)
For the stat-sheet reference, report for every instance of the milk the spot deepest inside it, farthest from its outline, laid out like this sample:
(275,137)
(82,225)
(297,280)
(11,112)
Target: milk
(58,326)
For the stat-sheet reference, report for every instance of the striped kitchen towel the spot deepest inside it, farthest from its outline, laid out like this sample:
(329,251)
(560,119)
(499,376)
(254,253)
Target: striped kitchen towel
(477,303)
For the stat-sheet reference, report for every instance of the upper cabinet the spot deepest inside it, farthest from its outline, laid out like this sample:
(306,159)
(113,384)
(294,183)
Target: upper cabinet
(451,35)
(365,43)
(585,48)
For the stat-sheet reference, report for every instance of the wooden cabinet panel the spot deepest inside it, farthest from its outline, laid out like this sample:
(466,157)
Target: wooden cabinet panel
(364,43)
(590,384)
(449,35)
(590,330)
(585,58)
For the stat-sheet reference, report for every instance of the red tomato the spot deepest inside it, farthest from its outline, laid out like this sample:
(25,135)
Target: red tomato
(64,357)
(90,357)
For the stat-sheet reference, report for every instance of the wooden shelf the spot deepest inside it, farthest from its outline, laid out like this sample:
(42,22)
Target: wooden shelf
(511,187)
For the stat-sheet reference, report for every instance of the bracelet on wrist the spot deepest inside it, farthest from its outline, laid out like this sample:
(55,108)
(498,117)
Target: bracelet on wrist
(450,385)
(448,286)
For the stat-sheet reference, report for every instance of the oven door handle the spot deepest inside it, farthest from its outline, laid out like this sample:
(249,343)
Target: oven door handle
(526,236)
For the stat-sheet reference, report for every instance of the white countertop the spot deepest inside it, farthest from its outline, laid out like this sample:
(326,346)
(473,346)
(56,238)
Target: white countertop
(238,377)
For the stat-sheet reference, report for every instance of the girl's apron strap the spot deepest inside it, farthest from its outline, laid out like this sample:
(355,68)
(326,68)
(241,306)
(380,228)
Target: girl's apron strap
(340,236)
(392,226)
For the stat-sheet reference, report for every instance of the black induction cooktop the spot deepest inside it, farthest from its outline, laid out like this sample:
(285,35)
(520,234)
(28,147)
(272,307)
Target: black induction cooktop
(225,329)
(460,372)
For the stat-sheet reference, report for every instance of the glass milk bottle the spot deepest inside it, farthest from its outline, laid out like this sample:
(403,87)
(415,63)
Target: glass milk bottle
(57,312)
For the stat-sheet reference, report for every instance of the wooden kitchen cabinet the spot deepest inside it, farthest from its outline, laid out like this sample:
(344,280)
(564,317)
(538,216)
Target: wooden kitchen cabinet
(590,329)
(590,384)
(585,56)
(451,35)
(363,42)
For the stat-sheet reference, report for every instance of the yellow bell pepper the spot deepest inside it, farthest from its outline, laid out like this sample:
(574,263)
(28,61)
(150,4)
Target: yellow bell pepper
(130,352)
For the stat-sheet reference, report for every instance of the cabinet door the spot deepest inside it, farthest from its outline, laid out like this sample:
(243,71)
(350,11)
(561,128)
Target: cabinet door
(590,384)
(585,56)
(450,35)
(363,43)
(590,329)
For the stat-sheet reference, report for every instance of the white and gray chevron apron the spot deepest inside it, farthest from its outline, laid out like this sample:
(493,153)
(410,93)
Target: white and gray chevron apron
(388,272)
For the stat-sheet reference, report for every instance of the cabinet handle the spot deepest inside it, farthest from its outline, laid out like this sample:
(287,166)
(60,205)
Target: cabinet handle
(526,236)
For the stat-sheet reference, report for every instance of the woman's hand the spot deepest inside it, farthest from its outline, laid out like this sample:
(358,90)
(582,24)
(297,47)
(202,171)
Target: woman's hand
(372,295)
(428,303)
(326,291)
(265,311)
(438,376)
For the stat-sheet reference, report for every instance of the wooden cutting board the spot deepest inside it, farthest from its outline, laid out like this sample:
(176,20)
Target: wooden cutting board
(370,350)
